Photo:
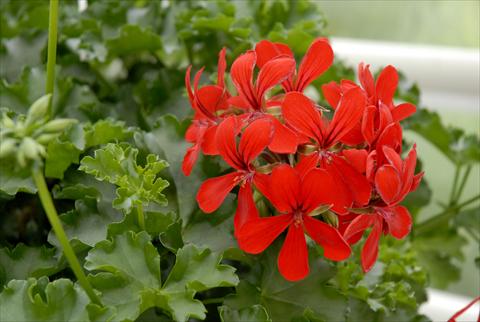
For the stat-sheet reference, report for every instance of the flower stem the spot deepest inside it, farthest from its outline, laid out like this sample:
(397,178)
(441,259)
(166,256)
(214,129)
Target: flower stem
(52,46)
(141,216)
(52,215)
(443,217)
(463,182)
(454,186)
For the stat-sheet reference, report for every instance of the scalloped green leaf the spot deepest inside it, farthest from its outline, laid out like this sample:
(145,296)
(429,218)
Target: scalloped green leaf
(23,261)
(255,313)
(128,275)
(137,184)
(38,300)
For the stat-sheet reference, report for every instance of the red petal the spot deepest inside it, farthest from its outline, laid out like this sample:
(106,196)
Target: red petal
(370,248)
(307,163)
(416,181)
(318,59)
(273,73)
(255,139)
(357,158)
(343,197)
(191,134)
(392,137)
(284,189)
(403,111)
(213,191)
(399,222)
(246,209)
(262,183)
(256,235)
(368,124)
(189,159)
(293,257)
(239,101)
(358,225)
(225,139)
(332,93)
(388,184)
(317,188)
(386,84)
(209,144)
(210,99)
(354,136)
(366,79)
(241,73)
(284,139)
(347,114)
(334,246)
(222,66)
(266,51)
(408,172)
(301,114)
(354,180)
(393,158)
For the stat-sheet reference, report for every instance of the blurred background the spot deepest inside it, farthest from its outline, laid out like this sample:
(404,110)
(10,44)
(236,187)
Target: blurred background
(436,43)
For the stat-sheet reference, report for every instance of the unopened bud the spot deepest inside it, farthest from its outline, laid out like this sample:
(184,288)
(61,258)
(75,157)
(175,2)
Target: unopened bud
(38,110)
(7,122)
(7,147)
(331,218)
(32,149)
(57,125)
(44,139)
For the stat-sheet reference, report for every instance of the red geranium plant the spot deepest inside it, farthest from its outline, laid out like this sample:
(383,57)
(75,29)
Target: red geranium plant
(330,173)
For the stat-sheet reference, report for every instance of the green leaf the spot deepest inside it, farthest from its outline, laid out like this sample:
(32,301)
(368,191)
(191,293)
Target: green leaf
(285,300)
(22,262)
(133,39)
(137,184)
(14,180)
(256,313)
(39,300)
(105,131)
(60,155)
(88,222)
(129,273)
(452,142)
(440,253)
(167,140)
(129,277)
(469,219)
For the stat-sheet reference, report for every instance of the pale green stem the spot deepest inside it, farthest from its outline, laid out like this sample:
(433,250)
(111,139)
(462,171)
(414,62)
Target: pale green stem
(463,182)
(57,227)
(52,48)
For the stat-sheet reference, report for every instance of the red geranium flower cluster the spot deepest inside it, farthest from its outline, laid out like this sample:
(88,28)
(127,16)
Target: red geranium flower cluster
(329,173)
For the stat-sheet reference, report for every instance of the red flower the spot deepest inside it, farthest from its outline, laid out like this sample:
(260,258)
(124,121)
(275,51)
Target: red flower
(393,181)
(254,140)
(381,110)
(251,97)
(316,61)
(295,197)
(301,114)
(207,102)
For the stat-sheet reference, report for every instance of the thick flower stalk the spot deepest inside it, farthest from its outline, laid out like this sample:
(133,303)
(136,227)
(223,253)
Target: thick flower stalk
(329,173)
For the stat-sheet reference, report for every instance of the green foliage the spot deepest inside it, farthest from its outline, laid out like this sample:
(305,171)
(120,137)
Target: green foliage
(39,300)
(129,277)
(137,184)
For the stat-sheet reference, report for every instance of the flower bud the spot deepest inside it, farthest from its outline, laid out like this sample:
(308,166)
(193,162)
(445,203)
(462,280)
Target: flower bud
(57,125)
(46,138)
(38,110)
(331,218)
(32,149)
(7,147)
(7,122)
